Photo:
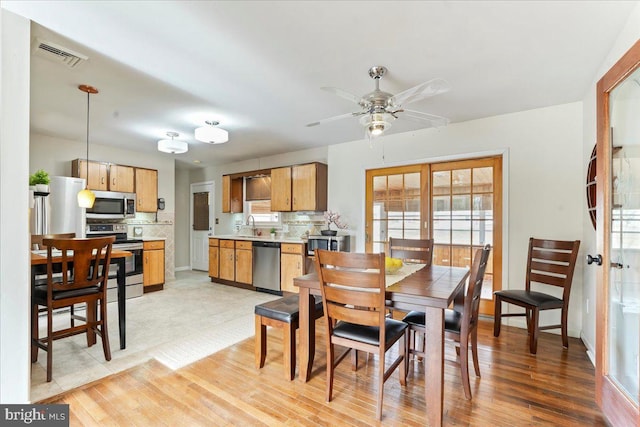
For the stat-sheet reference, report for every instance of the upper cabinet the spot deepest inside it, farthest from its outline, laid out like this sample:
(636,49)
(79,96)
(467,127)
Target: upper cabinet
(232,197)
(121,178)
(281,189)
(309,187)
(299,188)
(146,183)
(98,173)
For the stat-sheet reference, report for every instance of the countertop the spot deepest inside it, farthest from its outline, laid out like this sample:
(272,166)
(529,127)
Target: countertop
(266,238)
(150,238)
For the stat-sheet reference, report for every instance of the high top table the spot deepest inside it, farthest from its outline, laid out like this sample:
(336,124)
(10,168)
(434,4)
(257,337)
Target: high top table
(431,289)
(117,257)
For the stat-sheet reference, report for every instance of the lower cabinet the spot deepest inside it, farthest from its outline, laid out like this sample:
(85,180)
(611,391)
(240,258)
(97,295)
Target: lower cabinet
(292,264)
(153,265)
(235,261)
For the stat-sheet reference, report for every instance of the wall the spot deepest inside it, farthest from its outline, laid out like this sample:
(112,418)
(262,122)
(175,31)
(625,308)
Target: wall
(628,36)
(15,366)
(183,223)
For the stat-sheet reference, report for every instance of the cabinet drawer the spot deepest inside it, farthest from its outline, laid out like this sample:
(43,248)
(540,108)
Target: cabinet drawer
(154,244)
(291,248)
(229,244)
(213,242)
(244,244)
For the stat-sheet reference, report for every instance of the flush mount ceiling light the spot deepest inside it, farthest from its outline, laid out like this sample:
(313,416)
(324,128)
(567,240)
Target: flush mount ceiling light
(211,134)
(86,197)
(172,146)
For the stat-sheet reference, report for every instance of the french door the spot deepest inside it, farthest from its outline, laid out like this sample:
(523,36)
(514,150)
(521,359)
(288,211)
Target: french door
(458,204)
(618,241)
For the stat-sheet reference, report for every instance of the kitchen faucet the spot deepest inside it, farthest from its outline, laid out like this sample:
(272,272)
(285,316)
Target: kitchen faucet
(253,222)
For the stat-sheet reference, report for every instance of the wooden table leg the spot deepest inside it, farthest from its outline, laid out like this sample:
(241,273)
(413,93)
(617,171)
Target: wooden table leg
(307,334)
(121,280)
(434,365)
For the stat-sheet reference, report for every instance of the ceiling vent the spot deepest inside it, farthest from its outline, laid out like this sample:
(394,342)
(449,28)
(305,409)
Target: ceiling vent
(57,53)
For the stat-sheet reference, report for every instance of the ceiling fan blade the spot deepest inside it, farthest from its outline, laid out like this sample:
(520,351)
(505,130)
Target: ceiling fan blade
(421,91)
(420,117)
(343,94)
(341,116)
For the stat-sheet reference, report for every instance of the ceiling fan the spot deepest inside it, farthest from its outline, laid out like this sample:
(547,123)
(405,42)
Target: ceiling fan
(379,109)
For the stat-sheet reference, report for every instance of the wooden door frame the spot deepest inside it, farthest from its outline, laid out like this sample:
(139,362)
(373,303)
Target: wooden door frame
(615,405)
(425,168)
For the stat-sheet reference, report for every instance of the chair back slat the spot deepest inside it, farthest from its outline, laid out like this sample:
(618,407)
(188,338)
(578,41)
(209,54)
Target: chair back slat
(552,262)
(85,263)
(348,295)
(416,250)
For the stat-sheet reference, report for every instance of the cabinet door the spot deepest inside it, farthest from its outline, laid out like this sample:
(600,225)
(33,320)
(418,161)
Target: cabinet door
(281,189)
(292,265)
(309,187)
(226,193)
(213,261)
(146,190)
(153,268)
(244,266)
(97,174)
(121,178)
(232,197)
(227,263)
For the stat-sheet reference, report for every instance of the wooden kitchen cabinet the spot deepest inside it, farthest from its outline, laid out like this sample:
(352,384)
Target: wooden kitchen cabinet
(309,187)
(98,173)
(244,262)
(153,265)
(121,178)
(146,183)
(214,252)
(292,264)
(232,197)
(227,251)
(281,189)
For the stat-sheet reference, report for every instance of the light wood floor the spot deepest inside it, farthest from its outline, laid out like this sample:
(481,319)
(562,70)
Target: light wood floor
(556,387)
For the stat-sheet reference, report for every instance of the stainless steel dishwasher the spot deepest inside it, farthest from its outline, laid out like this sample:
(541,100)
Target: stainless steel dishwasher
(266,267)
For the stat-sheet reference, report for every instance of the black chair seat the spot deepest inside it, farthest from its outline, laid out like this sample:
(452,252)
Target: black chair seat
(285,309)
(533,298)
(40,293)
(452,320)
(370,334)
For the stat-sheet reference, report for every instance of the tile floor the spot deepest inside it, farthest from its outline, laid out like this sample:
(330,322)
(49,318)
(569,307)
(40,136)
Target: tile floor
(188,320)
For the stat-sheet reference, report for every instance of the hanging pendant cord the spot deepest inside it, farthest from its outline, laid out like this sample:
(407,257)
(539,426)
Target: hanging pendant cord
(88,94)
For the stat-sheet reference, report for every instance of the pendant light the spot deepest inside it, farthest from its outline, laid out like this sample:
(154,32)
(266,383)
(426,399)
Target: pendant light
(86,197)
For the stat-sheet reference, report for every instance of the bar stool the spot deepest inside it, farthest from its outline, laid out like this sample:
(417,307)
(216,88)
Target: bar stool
(281,313)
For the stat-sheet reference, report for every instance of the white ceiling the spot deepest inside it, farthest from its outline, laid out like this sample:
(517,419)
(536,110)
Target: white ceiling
(257,66)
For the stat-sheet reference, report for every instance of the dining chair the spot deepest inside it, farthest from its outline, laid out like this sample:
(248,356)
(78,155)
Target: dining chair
(411,250)
(461,321)
(550,262)
(353,298)
(83,279)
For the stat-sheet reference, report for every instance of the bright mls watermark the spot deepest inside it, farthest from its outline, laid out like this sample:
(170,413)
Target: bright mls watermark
(34,415)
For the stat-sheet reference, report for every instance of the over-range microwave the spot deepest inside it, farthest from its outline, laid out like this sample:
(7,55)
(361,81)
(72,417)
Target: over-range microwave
(113,205)
(331,243)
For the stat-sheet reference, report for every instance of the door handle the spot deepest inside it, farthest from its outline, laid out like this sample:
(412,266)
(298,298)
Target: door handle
(597,259)
(617,265)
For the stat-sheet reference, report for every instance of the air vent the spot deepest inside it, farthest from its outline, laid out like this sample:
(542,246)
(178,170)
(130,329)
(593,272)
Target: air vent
(57,53)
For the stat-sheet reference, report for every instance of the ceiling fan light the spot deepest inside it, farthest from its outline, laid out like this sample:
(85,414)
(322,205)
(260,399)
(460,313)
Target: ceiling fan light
(375,124)
(211,134)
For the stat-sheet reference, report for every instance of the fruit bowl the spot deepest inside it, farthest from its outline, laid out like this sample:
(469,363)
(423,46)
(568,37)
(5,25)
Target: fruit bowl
(392,265)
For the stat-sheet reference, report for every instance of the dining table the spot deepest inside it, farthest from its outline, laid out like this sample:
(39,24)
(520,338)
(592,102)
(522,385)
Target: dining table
(118,257)
(430,288)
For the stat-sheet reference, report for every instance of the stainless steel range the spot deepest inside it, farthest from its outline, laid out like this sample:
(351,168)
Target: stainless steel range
(133,265)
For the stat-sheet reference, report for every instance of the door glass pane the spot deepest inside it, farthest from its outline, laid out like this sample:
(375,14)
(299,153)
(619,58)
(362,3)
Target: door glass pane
(624,286)
(461,182)
(441,183)
(483,180)
(201,211)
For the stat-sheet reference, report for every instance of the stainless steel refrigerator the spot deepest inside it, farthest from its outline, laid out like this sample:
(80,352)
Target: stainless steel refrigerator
(57,211)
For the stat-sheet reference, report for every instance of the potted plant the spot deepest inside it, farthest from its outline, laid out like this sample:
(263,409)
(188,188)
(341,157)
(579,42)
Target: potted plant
(332,218)
(40,179)
(273,233)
